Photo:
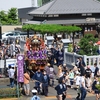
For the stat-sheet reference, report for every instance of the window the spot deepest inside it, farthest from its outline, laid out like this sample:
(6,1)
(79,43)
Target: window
(10,34)
(16,34)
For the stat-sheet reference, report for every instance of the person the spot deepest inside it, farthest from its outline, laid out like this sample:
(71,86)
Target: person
(45,83)
(26,83)
(96,69)
(60,72)
(83,87)
(11,72)
(35,97)
(89,84)
(47,68)
(52,74)
(65,68)
(82,66)
(67,80)
(60,57)
(38,79)
(88,72)
(71,76)
(77,83)
(64,89)
(59,89)
(94,88)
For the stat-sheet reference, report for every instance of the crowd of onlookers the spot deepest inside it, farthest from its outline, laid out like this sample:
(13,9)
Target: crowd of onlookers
(9,51)
(80,77)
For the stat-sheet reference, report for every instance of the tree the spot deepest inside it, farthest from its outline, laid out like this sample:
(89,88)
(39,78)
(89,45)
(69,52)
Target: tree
(10,17)
(51,28)
(13,16)
(87,45)
(3,17)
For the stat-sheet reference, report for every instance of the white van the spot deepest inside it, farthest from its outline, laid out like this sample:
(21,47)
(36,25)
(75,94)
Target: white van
(5,35)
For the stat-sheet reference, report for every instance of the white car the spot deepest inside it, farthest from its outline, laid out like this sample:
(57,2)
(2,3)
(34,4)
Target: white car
(5,35)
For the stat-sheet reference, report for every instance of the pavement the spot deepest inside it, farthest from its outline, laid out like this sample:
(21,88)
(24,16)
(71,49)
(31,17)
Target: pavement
(71,93)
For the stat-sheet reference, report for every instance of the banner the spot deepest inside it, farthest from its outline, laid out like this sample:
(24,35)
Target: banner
(1,63)
(20,69)
(11,62)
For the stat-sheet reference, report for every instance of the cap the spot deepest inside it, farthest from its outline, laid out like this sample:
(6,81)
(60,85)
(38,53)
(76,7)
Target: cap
(34,91)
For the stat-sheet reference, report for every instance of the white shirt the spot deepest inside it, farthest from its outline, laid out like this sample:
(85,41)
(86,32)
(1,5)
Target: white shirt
(82,81)
(11,73)
(77,79)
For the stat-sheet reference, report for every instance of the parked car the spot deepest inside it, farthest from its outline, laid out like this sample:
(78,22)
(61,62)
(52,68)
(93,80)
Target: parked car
(5,35)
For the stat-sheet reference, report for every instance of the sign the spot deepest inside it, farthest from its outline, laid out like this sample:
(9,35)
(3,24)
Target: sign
(20,69)
(90,19)
(1,63)
(11,62)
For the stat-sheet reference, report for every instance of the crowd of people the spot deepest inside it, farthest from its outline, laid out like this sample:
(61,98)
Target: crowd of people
(80,77)
(8,51)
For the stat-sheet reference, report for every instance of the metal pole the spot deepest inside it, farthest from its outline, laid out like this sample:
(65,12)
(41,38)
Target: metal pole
(17,85)
(28,33)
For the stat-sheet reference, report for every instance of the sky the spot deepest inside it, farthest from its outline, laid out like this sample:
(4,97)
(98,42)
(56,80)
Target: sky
(7,4)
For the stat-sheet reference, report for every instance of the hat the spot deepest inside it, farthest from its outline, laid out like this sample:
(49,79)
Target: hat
(34,91)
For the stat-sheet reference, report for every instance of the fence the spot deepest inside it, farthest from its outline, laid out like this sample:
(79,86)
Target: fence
(89,60)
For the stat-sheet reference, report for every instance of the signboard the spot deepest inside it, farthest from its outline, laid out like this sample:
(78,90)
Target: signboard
(11,62)
(1,63)
(20,69)
(90,19)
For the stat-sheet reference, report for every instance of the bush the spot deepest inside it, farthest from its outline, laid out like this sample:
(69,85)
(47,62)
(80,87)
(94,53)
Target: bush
(8,92)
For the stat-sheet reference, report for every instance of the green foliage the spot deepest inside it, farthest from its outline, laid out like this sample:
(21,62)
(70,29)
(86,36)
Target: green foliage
(51,28)
(10,17)
(8,92)
(87,45)
(70,47)
(98,85)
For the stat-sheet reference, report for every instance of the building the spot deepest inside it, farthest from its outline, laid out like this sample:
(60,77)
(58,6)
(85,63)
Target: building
(84,13)
(23,12)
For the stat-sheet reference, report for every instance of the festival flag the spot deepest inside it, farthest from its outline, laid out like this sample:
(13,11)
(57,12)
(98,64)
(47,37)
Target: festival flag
(20,63)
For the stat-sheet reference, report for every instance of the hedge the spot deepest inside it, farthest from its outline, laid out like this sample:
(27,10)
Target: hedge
(9,92)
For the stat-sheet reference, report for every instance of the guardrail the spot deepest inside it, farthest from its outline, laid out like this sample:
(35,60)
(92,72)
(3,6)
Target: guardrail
(89,60)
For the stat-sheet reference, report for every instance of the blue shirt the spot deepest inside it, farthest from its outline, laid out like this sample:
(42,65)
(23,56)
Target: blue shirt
(38,76)
(59,89)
